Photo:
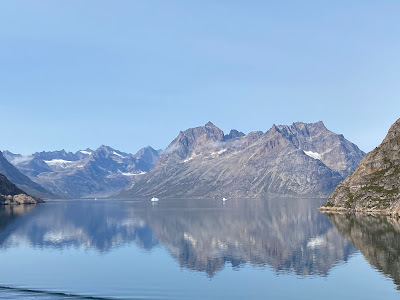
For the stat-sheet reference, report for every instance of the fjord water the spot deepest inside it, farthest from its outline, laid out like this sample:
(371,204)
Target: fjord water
(195,249)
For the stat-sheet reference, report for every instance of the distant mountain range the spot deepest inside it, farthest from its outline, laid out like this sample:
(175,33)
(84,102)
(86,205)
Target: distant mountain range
(301,159)
(86,173)
(298,160)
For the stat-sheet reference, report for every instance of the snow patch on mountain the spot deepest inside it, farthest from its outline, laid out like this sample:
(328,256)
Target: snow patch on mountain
(314,155)
(59,162)
(85,152)
(117,154)
(132,174)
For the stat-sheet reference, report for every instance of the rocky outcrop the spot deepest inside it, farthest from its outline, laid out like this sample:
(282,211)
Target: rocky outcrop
(11,194)
(300,160)
(375,185)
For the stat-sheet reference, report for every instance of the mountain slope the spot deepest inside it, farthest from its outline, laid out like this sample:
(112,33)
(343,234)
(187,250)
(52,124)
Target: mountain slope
(285,161)
(22,181)
(11,194)
(375,184)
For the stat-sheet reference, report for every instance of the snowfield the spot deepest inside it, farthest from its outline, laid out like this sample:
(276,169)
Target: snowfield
(314,155)
(58,162)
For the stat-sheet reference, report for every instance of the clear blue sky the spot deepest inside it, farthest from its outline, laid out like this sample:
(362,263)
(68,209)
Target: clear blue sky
(77,74)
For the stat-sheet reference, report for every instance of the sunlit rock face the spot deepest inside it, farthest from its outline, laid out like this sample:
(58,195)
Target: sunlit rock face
(375,185)
(300,160)
(377,237)
(288,235)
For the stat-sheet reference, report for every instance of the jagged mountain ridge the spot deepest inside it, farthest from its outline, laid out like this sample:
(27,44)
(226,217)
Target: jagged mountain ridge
(375,184)
(202,162)
(86,173)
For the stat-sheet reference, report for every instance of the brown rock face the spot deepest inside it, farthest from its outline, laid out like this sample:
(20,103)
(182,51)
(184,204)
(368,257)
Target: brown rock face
(374,185)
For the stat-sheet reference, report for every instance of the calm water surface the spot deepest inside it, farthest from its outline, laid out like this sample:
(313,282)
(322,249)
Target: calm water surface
(204,249)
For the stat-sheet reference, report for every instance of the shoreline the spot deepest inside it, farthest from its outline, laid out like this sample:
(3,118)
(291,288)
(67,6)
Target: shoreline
(381,212)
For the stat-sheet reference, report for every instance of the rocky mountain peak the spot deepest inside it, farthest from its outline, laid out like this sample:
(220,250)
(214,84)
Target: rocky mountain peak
(105,148)
(233,134)
(192,139)
(210,124)
(60,154)
(393,134)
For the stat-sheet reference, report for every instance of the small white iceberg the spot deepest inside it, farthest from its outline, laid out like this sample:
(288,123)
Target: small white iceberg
(154,199)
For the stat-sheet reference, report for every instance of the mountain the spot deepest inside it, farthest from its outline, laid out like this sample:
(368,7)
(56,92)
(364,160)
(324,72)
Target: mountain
(11,194)
(86,173)
(22,181)
(146,158)
(300,160)
(374,185)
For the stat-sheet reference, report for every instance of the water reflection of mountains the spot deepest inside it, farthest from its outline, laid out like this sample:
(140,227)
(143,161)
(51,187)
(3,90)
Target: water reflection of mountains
(287,235)
(377,237)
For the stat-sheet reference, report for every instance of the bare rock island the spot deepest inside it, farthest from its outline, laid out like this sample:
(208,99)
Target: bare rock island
(374,185)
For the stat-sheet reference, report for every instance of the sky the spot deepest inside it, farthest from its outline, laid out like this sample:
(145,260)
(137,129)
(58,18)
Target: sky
(77,74)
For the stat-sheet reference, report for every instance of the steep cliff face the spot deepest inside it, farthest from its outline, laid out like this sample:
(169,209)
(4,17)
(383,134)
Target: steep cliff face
(375,184)
(286,161)
(11,194)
